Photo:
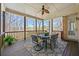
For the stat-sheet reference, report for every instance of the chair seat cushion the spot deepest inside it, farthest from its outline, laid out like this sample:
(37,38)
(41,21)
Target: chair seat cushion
(39,40)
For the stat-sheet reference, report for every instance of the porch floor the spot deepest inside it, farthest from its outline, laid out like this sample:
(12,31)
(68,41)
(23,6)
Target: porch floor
(25,48)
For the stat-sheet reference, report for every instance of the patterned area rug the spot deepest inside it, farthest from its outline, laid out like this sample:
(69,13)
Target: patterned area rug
(55,52)
(25,48)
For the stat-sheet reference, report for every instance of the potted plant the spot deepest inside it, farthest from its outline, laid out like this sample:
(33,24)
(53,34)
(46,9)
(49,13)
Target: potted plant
(9,39)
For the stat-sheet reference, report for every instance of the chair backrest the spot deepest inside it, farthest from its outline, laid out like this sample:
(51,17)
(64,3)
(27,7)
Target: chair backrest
(54,37)
(54,40)
(34,38)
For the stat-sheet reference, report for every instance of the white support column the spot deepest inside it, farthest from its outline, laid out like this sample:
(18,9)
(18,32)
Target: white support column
(50,26)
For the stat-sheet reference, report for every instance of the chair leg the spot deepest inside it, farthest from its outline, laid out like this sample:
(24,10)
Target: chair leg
(51,45)
(56,45)
(37,47)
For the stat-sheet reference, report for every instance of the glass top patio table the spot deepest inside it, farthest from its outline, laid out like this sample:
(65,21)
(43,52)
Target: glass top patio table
(45,39)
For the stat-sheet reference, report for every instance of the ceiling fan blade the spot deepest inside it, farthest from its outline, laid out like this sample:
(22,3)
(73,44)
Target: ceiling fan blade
(46,10)
(43,7)
(42,12)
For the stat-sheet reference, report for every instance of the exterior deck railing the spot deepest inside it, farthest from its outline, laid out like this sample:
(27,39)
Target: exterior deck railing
(19,35)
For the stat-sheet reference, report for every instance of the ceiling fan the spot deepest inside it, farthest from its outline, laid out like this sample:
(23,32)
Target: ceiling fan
(44,10)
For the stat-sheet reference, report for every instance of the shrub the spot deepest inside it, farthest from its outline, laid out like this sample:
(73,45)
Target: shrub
(9,39)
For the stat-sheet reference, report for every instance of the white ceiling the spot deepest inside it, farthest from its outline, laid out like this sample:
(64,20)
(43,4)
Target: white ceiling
(55,9)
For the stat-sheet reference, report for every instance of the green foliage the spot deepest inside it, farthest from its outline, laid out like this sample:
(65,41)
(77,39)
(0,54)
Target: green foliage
(46,33)
(9,39)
